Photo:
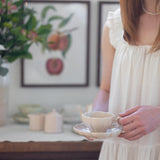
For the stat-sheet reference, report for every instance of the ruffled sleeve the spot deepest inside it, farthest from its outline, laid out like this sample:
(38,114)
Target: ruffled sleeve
(115,25)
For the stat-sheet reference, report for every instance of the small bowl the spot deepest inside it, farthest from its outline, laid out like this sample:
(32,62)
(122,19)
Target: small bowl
(98,121)
(28,109)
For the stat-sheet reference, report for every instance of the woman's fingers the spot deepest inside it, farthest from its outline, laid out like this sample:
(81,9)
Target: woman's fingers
(133,133)
(130,126)
(136,137)
(90,139)
(129,111)
(127,120)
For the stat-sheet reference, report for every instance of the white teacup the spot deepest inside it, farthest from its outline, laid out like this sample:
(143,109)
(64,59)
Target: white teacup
(98,121)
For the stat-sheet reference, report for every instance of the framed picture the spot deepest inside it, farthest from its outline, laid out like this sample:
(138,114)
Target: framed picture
(66,62)
(104,8)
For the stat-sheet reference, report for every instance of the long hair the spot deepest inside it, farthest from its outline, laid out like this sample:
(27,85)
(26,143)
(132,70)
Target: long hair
(131,10)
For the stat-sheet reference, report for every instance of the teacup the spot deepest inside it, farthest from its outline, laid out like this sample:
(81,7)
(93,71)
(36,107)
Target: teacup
(98,121)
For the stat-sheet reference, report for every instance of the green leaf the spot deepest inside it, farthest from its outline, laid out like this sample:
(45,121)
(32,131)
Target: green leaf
(28,11)
(27,46)
(44,29)
(16,31)
(7,24)
(15,19)
(2,53)
(18,14)
(18,3)
(1,61)
(21,38)
(26,55)
(14,55)
(32,23)
(46,9)
(65,21)
(9,43)
(69,45)
(1,6)
(11,56)
(3,71)
(17,36)
(54,18)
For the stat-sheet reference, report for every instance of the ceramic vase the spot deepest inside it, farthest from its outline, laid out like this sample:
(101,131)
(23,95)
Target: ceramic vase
(4,94)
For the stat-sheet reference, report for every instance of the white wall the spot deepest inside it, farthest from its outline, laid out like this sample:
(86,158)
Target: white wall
(53,97)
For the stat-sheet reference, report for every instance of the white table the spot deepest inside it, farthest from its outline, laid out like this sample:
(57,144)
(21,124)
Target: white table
(21,133)
(18,142)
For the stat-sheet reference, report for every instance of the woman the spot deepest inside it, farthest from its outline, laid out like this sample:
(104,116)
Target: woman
(130,83)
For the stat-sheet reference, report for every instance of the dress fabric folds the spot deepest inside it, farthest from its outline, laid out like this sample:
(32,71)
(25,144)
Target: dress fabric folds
(135,81)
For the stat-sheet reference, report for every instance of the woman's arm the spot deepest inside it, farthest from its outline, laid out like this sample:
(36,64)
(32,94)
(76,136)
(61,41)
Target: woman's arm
(101,101)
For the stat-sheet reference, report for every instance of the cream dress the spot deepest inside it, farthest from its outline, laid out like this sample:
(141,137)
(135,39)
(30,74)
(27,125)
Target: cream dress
(135,81)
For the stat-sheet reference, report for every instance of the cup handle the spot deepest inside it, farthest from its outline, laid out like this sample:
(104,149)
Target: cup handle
(117,121)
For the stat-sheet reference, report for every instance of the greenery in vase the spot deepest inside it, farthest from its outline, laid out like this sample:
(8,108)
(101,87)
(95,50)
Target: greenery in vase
(19,29)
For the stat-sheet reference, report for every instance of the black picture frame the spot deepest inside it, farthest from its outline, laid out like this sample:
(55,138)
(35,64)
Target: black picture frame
(110,6)
(83,81)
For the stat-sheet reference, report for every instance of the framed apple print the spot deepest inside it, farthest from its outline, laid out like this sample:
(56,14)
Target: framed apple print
(66,61)
(104,8)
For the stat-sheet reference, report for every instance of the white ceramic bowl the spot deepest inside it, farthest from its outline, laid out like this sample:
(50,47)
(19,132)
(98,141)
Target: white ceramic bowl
(98,121)
(30,108)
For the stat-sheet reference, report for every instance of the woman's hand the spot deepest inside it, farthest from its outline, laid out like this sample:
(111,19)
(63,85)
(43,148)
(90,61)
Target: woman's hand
(139,121)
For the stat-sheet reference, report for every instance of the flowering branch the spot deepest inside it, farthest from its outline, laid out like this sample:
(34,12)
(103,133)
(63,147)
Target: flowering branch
(18,31)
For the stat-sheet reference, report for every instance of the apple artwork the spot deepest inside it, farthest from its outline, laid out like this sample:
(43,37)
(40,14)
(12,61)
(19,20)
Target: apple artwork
(53,41)
(58,41)
(54,66)
(63,42)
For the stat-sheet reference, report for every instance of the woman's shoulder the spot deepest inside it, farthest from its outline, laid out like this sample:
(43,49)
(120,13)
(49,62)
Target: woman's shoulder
(114,24)
(113,18)
(114,14)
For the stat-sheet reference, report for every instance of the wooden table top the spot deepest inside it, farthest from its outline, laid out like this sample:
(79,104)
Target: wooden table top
(50,146)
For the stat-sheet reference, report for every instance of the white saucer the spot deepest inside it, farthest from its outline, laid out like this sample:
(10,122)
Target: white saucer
(83,130)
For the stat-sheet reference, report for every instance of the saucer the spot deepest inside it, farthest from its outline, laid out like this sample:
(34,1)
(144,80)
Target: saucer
(83,130)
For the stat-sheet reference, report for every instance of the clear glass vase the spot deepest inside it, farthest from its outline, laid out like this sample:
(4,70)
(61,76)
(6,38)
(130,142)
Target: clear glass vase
(4,94)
